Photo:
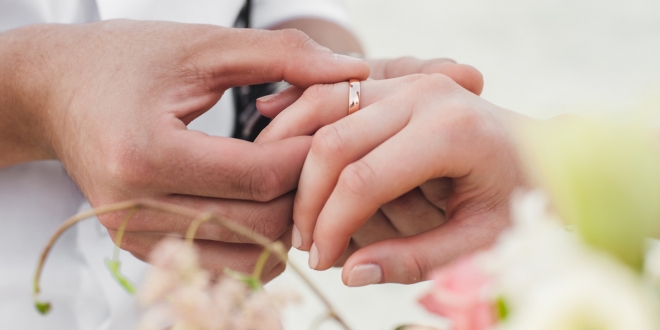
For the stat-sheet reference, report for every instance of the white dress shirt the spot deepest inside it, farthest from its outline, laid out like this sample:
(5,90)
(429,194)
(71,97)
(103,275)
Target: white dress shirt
(35,198)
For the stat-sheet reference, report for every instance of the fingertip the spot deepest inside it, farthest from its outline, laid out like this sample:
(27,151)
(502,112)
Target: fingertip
(396,261)
(467,76)
(302,225)
(313,261)
(324,255)
(296,238)
(327,68)
(272,105)
(363,274)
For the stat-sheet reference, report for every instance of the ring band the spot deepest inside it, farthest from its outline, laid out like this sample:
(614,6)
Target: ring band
(353,96)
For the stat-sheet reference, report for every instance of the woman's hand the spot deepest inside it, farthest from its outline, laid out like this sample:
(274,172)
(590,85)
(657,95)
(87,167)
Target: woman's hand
(424,131)
(411,213)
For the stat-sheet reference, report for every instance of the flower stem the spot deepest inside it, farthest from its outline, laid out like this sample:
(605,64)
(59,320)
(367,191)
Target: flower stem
(261,262)
(192,229)
(44,307)
(120,232)
(276,248)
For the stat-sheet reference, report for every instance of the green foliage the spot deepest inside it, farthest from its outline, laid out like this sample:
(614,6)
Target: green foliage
(604,179)
(251,281)
(42,307)
(114,266)
(502,308)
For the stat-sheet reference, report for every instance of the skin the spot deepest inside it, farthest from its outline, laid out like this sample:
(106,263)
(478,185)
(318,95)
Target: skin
(421,135)
(410,214)
(111,101)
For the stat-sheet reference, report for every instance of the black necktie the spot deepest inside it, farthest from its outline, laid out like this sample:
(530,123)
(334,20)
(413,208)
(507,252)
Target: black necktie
(249,123)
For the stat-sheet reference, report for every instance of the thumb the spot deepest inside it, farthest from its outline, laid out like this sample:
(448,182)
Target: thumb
(411,259)
(238,57)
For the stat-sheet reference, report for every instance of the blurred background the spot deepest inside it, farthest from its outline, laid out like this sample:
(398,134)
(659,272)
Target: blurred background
(540,58)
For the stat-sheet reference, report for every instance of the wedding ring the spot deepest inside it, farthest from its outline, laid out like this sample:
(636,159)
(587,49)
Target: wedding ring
(353,96)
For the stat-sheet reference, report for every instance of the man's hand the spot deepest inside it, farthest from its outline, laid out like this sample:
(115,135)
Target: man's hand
(111,100)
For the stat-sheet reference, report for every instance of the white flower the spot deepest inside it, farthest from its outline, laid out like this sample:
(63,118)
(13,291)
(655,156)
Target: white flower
(550,280)
(175,263)
(182,295)
(652,264)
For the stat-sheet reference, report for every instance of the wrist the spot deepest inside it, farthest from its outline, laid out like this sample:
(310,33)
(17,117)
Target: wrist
(25,97)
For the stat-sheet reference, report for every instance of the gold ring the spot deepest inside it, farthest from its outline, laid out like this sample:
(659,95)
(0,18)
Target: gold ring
(353,96)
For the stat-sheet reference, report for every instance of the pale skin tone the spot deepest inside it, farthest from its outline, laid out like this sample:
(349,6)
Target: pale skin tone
(421,135)
(111,101)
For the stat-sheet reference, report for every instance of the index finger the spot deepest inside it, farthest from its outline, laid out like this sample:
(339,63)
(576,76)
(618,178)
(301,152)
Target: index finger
(193,163)
(239,57)
(321,105)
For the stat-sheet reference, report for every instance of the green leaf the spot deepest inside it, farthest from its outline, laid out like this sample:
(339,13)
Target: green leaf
(114,266)
(502,308)
(249,280)
(410,326)
(42,307)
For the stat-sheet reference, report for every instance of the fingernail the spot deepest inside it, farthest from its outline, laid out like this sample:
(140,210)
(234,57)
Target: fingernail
(296,238)
(313,257)
(365,274)
(267,98)
(346,58)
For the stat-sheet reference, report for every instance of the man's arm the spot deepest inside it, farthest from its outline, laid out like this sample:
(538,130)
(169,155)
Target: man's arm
(23,91)
(111,101)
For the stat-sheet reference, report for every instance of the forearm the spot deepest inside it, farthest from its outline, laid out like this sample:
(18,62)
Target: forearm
(327,34)
(22,95)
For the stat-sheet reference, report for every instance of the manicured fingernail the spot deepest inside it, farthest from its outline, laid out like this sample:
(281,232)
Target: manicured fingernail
(268,97)
(346,58)
(296,238)
(365,274)
(313,257)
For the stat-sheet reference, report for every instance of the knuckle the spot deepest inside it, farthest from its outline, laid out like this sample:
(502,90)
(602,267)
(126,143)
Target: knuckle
(276,271)
(404,202)
(439,81)
(111,221)
(128,171)
(270,228)
(435,65)
(415,268)
(357,178)
(412,78)
(317,93)
(464,118)
(265,184)
(296,39)
(135,245)
(329,141)
(394,67)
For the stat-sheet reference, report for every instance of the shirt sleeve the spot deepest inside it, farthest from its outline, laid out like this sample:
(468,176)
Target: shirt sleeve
(267,13)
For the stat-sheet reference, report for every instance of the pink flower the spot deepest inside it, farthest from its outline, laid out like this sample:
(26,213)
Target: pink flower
(459,294)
